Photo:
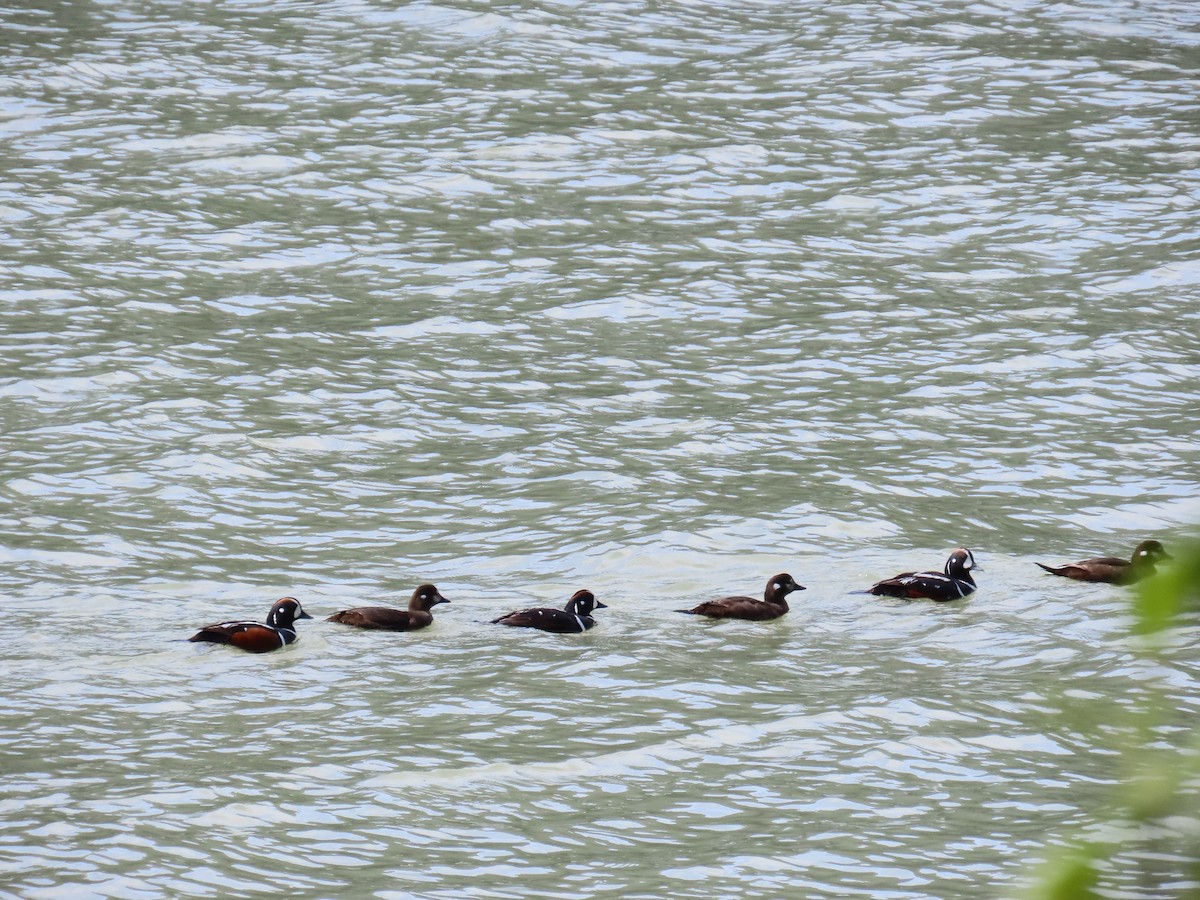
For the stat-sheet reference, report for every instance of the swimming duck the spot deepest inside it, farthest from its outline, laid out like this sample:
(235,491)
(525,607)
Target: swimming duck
(771,606)
(576,617)
(256,637)
(386,618)
(1112,570)
(952,583)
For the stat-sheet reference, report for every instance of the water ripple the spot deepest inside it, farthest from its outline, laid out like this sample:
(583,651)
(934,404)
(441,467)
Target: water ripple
(329,299)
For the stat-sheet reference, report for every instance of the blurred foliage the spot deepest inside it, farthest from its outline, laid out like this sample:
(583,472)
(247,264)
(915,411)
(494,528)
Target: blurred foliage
(1160,781)
(1163,598)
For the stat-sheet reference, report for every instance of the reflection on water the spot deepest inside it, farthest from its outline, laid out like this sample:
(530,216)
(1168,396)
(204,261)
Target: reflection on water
(332,299)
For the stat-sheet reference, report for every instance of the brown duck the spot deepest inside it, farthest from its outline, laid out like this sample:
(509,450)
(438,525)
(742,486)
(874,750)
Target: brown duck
(1112,570)
(385,618)
(771,606)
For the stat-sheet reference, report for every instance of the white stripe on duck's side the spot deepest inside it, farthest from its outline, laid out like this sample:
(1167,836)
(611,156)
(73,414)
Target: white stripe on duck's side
(958,584)
(580,621)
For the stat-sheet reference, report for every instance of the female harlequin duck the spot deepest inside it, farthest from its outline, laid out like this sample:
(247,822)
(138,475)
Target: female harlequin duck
(952,583)
(1111,570)
(384,618)
(575,618)
(279,631)
(771,606)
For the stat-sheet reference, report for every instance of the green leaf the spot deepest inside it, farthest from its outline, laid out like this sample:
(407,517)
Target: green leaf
(1071,877)
(1176,587)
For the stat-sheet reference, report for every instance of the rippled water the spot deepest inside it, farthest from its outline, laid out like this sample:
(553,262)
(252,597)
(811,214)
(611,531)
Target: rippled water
(331,298)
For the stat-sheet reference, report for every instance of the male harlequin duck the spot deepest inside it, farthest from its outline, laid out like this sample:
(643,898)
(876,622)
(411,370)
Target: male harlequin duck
(385,618)
(771,606)
(952,583)
(279,630)
(575,618)
(1111,570)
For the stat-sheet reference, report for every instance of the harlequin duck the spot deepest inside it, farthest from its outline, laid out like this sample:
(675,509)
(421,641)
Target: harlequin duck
(385,618)
(771,606)
(575,618)
(279,630)
(952,583)
(1111,570)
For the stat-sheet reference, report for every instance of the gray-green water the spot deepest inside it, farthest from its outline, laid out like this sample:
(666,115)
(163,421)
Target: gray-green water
(331,298)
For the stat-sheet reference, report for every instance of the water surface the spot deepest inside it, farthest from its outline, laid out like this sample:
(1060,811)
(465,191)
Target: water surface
(330,299)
